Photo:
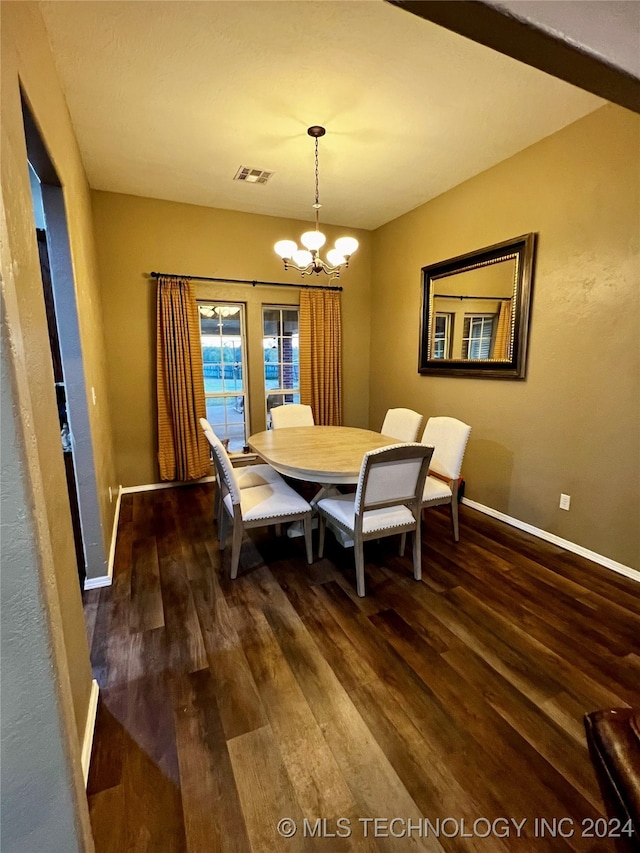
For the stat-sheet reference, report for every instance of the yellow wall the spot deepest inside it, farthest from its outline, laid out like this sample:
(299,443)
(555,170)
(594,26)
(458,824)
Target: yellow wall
(27,60)
(573,425)
(137,235)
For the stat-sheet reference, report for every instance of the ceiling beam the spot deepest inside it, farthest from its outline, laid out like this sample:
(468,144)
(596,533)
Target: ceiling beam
(499,28)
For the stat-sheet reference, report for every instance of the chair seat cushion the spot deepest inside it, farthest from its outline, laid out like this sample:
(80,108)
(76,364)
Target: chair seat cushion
(271,500)
(342,509)
(256,475)
(435,490)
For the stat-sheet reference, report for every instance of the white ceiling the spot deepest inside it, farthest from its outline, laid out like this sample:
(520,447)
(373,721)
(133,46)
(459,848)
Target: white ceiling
(168,99)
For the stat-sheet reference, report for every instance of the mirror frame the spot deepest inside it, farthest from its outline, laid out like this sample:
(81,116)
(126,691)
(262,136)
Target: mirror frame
(523,250)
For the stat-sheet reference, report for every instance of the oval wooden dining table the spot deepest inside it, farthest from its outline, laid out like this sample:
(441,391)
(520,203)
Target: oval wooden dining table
(328,455)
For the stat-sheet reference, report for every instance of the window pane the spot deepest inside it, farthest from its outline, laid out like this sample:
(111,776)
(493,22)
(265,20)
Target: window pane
(442,329)
(222,338)
(226,416)
(236,436)
(290,322)
(281,356)
(271,321)
(476,342)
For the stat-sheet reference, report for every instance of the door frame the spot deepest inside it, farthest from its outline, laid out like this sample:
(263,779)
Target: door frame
(64,295)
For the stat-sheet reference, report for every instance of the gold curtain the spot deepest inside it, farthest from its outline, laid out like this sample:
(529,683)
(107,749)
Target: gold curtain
(321,354)
(183,451)
(503,332)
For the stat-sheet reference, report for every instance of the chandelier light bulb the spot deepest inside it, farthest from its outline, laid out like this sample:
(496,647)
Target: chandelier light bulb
(346,245)
(302,257)
(226,311)
(285,248)
(336,258)
(313,240)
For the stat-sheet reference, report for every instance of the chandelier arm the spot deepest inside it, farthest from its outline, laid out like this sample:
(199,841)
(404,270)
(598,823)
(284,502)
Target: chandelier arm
(316,266)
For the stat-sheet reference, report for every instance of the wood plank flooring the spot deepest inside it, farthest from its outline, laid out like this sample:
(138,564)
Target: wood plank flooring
(453,705)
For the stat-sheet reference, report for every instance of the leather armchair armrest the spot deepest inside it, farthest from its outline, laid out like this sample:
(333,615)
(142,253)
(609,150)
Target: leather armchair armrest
(613,737)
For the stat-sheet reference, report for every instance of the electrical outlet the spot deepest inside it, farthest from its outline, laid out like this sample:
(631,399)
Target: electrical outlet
(565,501)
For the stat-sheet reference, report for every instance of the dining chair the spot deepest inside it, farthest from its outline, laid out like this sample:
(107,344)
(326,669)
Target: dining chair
(449,437)
(387,501)
(292,415)
(246,477)
(270,503)
(403,424)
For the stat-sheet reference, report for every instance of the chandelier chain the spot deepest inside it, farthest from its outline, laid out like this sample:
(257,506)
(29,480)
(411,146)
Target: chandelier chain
(317,175)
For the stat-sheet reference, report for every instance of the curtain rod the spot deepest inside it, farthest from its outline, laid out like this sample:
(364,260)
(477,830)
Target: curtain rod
(253,283)
(453,296)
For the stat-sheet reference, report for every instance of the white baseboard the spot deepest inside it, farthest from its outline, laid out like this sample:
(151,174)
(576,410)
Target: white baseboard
(607,562)
(89,729)
(106,580)
(151,487)
(98,583)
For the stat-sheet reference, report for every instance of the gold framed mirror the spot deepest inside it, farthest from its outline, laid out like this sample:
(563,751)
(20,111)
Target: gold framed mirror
(475,312)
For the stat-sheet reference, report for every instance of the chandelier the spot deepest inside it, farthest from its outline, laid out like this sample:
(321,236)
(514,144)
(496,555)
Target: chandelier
(307,260)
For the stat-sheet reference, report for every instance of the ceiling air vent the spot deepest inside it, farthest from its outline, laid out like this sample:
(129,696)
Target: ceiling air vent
(252,176)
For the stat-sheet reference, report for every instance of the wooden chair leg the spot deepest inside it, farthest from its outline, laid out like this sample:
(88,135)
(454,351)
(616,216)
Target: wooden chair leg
(417,553)
(454,519)
(222,530)
(403,542)
(358,551)
(219,510)
(307,538)
(321,531)
(236,545)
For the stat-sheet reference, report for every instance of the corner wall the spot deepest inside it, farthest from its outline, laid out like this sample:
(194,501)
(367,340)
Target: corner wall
(573,425)
(44,805)
(27,62)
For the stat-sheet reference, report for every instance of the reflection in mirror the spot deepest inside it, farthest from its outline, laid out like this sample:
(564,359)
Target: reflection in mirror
(472,313)
(475,312)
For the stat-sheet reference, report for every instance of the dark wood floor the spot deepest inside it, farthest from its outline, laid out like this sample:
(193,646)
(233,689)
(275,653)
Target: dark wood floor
(226,706)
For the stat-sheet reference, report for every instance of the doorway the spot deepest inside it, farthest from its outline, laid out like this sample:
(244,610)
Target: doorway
(50,224)
(61,396)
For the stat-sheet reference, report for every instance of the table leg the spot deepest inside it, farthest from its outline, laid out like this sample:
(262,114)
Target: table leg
(327,491)
(297,528)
